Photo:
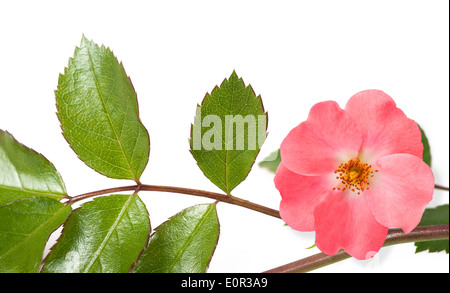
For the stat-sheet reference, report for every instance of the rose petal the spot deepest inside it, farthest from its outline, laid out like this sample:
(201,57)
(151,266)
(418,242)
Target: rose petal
(344,220)
(402,188)
(300,195)
(386,129)
(317,146)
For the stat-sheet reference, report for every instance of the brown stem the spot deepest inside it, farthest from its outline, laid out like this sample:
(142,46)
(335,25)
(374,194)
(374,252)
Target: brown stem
(217,196)
(440,187)
(395,236)
(72,199)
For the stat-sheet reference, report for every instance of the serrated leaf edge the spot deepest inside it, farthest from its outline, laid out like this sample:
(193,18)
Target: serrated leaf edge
(210,208)
(38,193)
(84,40)
(216,87)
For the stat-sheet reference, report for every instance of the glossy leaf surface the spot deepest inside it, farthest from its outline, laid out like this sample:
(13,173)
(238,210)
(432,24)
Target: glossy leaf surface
(105,235)
(229,128)
(25,226)
(26,173)
(98,111)
(183,244)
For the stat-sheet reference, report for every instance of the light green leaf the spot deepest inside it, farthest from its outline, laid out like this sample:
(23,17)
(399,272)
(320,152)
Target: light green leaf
(98,111)
(434,216)
(272,161)
(183,244)
(229,128)
(103,235)
(426,156)
(25,226)
(25,173)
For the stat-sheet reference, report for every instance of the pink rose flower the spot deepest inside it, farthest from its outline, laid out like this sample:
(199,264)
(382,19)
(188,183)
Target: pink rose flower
(350,174)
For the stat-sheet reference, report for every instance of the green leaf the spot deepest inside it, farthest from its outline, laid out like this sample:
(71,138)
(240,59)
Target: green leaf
(26,173)
(229,128)
(272,161)
(434,216)
(426,155)
(103,235)
(99,116)
(183,244)
(25,226)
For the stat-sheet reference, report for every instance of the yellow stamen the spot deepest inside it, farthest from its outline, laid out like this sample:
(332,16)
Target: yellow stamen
(354,175)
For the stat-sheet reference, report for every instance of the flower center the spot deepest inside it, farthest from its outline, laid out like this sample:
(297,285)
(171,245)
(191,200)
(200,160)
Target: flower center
(354,175)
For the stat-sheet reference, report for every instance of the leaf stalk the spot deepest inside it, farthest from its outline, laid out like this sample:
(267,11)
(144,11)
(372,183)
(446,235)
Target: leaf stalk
(395,236)
(172,189)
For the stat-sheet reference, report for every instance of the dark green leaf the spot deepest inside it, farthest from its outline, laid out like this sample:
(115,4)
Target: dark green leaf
(26,173)
(104,235)
(426,148)
(183,244)
(98,111)
(434,216)
(25,226)
(229,129)
(272,161)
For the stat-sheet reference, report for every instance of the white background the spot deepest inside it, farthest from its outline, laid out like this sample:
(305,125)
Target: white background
(293,53)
